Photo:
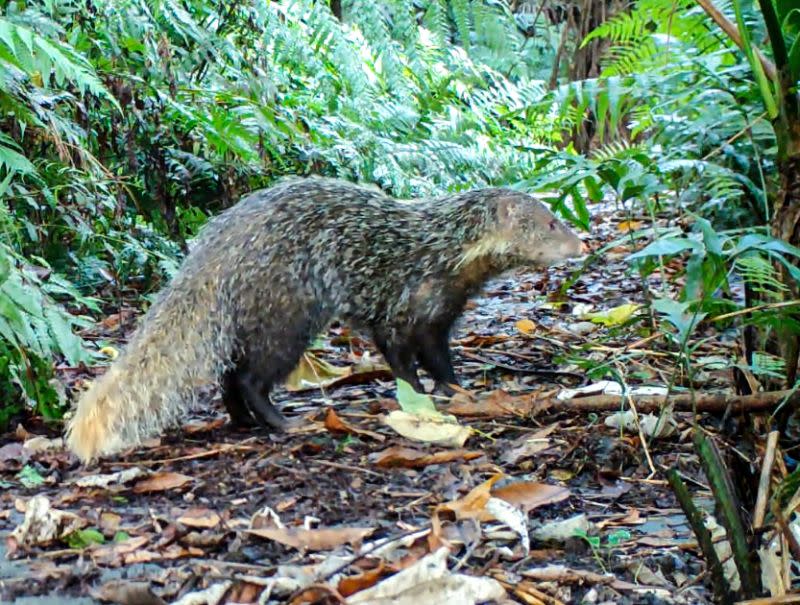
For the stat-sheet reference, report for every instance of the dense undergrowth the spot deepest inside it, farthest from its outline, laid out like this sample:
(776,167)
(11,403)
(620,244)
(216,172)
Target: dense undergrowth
(126,123)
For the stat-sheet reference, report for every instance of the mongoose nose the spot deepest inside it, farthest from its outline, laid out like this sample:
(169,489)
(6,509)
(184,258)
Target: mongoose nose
(585,249)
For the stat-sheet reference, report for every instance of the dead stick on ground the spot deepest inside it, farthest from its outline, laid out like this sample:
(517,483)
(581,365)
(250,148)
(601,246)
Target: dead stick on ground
(763,483)
(642,437)
(705,402)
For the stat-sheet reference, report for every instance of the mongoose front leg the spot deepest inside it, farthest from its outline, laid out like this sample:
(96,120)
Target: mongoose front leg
(433,352)
(399,353)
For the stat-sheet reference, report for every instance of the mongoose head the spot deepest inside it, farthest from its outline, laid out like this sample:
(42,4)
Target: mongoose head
(533,234)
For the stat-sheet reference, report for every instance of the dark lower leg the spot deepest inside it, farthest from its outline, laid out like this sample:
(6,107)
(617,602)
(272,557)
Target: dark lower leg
(256,395)
(234,402)
(433,352)
(399,354)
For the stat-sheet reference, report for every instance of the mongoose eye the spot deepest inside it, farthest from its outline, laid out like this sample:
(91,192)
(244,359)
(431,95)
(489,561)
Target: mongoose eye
(552,225)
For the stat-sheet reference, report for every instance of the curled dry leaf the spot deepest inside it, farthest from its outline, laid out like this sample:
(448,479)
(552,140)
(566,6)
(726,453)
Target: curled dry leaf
(42,444)
(204,427)
(212,595)
(663,425)
(42,524)
(429,581)
(562,529)
(353,584)
(498,404)
(313,373)
(125,592)
(337,426)
(428,429)
(473,505)
(407,457)
(121,477)
(114,554)
(325,538)
(528,495)
(160,482)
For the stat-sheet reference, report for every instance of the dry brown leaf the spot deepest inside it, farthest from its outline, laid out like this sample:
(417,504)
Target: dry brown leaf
(113,554)
(473,505)
(160,482)
(528,495)
(633,517)
(499,404)
(325,538)
(204,427)
(353,584)
(407,457)
(109,522)
(337,426)
(204,518)
(125,592)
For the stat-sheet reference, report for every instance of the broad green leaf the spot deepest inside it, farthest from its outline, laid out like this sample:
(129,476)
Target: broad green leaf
(667,246)
(30,477)
(83,538)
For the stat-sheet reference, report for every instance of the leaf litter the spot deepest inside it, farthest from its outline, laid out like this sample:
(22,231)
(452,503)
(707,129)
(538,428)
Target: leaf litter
(531,503)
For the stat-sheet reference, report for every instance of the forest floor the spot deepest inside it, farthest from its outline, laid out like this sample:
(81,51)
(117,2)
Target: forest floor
(209,513)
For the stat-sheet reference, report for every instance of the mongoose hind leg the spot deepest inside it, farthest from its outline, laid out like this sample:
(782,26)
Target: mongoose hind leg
(433,351)
(247,400)
(398,350)
(256,394)
(234,401)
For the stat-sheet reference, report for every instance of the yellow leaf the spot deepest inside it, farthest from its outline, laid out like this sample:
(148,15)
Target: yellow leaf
(110,352)
(312,372)
(613,317)
(526,326)
(626,226)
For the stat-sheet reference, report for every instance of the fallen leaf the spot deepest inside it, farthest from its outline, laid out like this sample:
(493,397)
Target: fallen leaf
(42,524)
(204,427)
(428,429)
(121,477)
(126,592)
(160,482)
(419,404)
(109,352)
(113,554)
(42,444)
(406,457)
(325,538)
(353,584)
(626,226)
(526,326)
(614,316)
(473,505)
(662,425)
(528,495)
(199,517)
(562,529)
(313,373)
(109,522)
(337,426)
(429,581)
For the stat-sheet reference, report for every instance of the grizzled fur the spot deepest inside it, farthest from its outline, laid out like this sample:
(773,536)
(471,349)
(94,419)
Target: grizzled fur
(271,272)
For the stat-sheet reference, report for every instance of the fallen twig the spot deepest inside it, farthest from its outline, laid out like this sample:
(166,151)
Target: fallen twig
(703,402)
(763,482)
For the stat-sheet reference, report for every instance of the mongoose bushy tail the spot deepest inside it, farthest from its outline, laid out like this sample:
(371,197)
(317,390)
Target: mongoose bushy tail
(268,274)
